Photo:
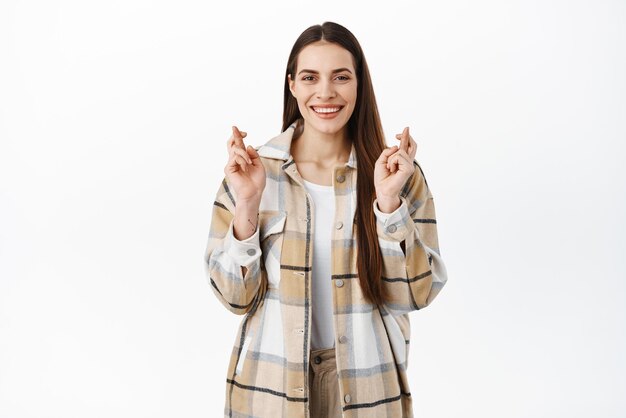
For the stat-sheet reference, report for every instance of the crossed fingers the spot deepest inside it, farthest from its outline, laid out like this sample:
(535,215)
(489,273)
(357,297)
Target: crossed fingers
(406,150)
(237,150)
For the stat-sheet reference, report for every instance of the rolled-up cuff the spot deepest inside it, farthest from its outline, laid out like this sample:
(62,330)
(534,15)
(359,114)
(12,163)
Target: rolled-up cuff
(244,252)
(394,226)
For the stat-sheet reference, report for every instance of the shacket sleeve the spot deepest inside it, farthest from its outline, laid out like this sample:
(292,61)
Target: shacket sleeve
(225,255)
(413,270)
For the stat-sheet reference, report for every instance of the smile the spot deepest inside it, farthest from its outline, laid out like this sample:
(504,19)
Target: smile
(326,110)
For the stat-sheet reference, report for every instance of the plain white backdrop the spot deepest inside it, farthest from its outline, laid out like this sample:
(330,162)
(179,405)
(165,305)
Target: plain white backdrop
(114,118)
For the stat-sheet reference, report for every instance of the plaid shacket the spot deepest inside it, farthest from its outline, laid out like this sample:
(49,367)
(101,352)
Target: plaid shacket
(269,366)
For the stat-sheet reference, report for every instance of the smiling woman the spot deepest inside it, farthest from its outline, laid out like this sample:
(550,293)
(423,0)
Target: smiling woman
(324,260)
(323,90)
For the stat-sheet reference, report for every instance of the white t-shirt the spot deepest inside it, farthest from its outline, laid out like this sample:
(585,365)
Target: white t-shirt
(322,326)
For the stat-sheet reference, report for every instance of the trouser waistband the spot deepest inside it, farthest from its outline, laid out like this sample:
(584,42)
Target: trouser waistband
(323,359)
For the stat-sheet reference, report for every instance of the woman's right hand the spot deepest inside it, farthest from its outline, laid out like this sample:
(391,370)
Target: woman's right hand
(244,170)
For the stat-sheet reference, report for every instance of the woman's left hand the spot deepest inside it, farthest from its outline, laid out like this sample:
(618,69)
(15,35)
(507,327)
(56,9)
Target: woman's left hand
(394,167)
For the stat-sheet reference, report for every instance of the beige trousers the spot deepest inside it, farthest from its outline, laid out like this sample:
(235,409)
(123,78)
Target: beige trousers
(324,384)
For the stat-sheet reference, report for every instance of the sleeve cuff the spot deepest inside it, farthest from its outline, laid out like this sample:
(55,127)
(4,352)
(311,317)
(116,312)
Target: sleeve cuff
(244,252)
(394,226)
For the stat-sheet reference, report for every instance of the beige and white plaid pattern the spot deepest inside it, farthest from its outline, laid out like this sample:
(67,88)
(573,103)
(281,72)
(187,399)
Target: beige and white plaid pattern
(268,369)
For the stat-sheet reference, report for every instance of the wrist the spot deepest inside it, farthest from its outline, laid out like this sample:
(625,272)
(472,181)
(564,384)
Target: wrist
(246,218)
(251,204)
(388,204)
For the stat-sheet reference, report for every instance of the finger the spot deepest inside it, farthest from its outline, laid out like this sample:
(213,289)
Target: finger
(386,153)
(236,131)
(384,156)
(235,163)
(253,154)
(233,142)
(390,154)
(403,153)
(237,159)
(412,149)
(404,158)
(243,154)
(412,143)
(393,163)
(232,145)
(239,135)
(404,138)
(242,163)
(396,158)
(249,154)
(401,139)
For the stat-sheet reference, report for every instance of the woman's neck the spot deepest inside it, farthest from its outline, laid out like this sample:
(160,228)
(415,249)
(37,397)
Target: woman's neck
(321,149)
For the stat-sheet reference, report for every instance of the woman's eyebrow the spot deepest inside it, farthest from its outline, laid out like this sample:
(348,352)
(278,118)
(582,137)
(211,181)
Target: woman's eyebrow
(338,70)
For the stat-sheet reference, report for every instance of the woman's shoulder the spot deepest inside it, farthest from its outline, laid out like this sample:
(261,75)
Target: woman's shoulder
(277,147)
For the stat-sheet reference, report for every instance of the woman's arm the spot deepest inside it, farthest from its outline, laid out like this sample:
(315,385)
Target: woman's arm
(233,266)
(413,270)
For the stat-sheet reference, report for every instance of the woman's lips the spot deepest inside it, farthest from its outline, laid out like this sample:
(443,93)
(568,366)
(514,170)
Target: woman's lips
(326,112)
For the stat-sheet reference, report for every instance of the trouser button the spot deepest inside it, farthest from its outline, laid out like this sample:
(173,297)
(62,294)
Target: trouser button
(318,359)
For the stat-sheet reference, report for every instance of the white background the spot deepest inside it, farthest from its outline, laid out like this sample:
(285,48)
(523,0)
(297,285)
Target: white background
(114,118)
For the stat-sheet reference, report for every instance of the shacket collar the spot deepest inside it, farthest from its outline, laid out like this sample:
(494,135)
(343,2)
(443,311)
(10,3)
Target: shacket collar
(279,148)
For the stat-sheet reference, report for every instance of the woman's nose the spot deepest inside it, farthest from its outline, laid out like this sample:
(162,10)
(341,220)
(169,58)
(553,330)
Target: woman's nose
(326,89)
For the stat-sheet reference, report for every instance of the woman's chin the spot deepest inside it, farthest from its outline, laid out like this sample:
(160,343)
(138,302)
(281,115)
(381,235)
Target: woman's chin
(328,127)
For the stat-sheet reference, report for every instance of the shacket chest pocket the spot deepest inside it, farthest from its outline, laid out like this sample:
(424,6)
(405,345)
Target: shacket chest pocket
(271,231)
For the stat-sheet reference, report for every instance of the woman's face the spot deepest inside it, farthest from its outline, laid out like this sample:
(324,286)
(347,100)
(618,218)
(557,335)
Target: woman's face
(325,86)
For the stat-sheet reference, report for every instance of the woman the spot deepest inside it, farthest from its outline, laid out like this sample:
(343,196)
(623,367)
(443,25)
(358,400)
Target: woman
(324,259)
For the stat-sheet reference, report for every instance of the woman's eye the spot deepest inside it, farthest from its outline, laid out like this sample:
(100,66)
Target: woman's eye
(310,78)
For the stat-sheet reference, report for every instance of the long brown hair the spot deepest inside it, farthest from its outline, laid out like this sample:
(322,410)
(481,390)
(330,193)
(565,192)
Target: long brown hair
(365,132)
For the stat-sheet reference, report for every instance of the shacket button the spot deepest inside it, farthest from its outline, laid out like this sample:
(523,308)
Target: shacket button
(347,398)
(339,225)
(251,251)
(318,359)
(392,228)
(343,339)
(341,178)
(339,283)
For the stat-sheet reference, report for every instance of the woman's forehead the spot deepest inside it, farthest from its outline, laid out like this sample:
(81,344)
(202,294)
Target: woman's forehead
(324,57)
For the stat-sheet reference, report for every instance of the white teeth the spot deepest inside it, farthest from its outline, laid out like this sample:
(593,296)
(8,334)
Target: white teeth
(326,109)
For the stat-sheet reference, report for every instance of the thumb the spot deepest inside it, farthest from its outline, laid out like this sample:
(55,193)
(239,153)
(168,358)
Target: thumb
(387,152)
(252,152)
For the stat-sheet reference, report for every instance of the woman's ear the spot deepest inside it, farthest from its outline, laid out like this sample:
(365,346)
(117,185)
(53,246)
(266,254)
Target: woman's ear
(291,85)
